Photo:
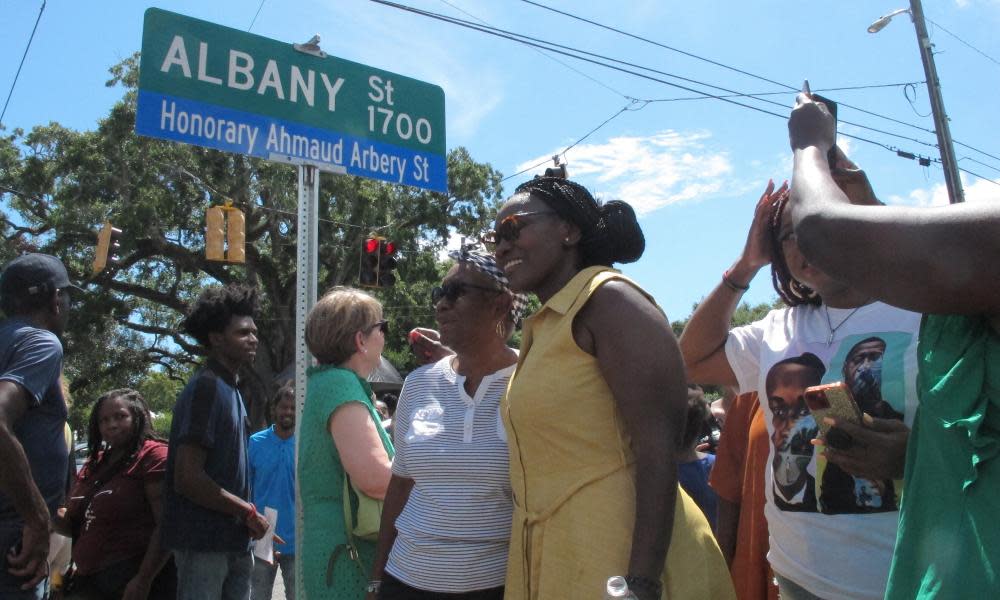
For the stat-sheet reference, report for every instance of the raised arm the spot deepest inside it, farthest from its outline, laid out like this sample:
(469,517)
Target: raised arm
(703,342)
(935,260)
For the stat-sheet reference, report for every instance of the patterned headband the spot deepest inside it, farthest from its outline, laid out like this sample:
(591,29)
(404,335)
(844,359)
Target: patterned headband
(485,263)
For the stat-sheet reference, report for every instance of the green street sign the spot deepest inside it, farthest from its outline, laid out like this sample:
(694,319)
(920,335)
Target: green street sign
(217,87)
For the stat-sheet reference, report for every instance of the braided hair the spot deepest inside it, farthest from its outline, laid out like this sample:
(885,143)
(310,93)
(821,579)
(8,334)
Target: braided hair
(610,231)
(142,427)
(792,291)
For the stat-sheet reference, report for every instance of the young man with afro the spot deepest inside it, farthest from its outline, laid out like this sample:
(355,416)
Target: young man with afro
(208,518)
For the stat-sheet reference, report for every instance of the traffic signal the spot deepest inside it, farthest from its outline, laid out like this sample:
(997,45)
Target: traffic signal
(215,234)
(386,263)
(236,236)
(377,262)
(369,262)
(225,225)
(108,243)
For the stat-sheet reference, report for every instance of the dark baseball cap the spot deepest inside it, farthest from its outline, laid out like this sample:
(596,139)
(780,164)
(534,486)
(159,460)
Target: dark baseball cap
(35,274)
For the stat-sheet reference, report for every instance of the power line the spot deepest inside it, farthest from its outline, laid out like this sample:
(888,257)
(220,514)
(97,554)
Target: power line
(23,56)
(963,41)
(572,52)
(576,53)
(569,51)
(528,41)
(729,67)
(784,93)
(974,174)
(568,148)
(259,6)
(546,55)
(979,162)
(583,54)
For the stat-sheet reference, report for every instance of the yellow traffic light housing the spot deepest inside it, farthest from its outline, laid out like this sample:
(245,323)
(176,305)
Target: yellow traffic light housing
(225,226)
(108,244)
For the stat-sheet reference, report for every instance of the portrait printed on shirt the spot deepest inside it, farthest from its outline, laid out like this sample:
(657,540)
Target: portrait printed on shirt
(872,368)
(792,429)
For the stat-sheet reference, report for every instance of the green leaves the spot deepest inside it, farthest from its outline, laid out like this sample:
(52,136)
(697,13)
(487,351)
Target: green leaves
(67,183)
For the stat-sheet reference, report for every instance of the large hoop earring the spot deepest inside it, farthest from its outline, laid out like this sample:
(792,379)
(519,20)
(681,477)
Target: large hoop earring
(501,330)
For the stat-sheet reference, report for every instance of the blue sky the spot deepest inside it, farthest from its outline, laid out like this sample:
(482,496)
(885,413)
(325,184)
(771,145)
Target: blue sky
(692,168)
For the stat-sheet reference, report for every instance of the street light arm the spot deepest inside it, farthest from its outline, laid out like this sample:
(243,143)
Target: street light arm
(882,21)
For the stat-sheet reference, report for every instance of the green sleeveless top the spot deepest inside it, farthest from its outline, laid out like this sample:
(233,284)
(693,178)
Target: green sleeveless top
(321,483)
(948,545)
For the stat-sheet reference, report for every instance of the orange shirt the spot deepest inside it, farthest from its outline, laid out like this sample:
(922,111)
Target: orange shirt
(738,476)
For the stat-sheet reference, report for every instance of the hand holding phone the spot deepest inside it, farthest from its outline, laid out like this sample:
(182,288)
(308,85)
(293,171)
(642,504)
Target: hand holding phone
(831,400)
(807,128)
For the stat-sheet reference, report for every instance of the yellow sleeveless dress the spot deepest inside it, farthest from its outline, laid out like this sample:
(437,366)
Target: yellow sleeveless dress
(572,473)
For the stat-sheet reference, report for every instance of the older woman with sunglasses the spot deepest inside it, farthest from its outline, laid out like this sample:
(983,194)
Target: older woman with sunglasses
(340,435)
(446,520)
(595,412)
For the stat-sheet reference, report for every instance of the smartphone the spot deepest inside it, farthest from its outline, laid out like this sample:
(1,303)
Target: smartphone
(831,155)
(831,400)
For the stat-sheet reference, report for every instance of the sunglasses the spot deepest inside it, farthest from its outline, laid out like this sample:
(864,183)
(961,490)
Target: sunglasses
(509,228)
(453,290)
(383,325)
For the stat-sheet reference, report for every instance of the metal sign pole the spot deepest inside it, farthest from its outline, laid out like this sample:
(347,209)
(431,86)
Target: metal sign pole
(305,299)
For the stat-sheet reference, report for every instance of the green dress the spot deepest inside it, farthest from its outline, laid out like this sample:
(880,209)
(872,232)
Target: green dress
(321,482)
(948,544)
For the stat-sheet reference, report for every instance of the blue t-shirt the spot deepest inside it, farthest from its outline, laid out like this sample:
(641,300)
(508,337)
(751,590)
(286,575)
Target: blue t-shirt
(32,358)
(693,477)
(272,466)
(210,414)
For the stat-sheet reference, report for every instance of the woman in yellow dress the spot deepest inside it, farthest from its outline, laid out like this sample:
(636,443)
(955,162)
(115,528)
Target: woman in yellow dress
(595,412)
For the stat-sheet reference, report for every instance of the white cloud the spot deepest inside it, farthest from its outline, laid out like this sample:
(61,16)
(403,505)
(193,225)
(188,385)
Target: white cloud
(649,172)
(844,144)
(982,191)
(979,190)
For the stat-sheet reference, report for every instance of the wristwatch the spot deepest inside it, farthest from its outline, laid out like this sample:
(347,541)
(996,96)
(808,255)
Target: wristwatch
(373,586)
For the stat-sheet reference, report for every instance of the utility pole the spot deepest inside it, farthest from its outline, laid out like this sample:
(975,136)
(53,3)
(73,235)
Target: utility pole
(948,162)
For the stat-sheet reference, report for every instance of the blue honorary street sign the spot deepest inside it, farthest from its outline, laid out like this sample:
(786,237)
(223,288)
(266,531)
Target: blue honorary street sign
(212,86)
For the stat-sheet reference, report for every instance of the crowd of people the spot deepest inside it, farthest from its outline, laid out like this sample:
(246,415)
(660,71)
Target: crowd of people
(587,452)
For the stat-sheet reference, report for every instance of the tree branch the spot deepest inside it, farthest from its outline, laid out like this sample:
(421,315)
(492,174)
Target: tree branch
(157,330)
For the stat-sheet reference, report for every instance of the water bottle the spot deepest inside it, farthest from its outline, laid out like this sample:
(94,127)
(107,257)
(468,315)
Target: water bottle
(617,589)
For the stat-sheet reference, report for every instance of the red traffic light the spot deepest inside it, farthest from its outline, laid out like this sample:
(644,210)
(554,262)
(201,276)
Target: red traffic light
(371,245)
(389,248)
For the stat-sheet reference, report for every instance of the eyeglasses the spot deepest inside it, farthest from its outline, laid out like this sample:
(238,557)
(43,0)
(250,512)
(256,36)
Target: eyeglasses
(383,325)
(453,290)
(509,228)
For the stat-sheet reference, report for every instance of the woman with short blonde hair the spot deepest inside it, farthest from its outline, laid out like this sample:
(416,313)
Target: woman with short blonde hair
(340,436)
(332,323)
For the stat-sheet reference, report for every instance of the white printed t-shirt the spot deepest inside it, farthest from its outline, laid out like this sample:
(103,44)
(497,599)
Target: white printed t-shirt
(830,533)
(454,531)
